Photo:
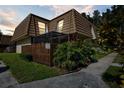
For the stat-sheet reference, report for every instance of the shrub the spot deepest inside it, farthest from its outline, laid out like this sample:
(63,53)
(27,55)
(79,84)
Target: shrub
(27,57)
(71,55)
(70,65)
(67,55)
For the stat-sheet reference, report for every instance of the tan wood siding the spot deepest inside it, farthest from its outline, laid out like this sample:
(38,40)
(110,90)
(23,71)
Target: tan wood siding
(82,24)
(28,27)
(68,26)
(22,29)
(33,28)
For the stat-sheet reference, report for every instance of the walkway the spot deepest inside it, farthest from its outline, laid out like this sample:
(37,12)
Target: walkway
(100,67)
(89,77)
(6,78)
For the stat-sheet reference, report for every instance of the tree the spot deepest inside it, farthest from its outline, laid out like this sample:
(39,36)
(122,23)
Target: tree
(96,18)
(87,17)
(84,15)
(112,28)
(0,34)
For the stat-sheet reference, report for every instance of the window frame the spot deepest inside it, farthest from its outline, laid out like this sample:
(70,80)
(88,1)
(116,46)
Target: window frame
(41,28)
(58,28)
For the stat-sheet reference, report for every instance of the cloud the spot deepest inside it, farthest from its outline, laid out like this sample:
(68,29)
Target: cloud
(59,9)
(88,9)
(7,17)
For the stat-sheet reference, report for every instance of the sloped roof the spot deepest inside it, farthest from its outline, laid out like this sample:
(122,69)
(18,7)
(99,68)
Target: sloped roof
(22,29)
(5,40)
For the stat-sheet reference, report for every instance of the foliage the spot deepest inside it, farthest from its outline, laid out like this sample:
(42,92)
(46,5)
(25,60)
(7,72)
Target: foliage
(110,27)
(0,34)
(67,54)
(87,17)
(71,55)
(96,18)
(25,71)
(26,57)
(112,76)
(120,59)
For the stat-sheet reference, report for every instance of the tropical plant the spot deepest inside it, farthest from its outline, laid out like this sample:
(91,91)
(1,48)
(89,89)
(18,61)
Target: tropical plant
(111,30)
(67,55)
(71,55)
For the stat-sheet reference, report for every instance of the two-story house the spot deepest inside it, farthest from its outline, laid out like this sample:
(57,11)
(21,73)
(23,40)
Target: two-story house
(34,30)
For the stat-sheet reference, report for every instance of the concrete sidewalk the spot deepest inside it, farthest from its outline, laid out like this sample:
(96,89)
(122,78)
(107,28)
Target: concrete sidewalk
(89,77)
(100,67)
(6,78)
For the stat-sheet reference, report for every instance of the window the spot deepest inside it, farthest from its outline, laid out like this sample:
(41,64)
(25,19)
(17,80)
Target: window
(60,25)
(41,27)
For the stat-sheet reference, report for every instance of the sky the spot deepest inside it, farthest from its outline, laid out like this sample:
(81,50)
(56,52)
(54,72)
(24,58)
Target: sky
(11,16)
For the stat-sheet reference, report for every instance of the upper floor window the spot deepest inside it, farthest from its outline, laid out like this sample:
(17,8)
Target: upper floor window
(60,25)
(42,28)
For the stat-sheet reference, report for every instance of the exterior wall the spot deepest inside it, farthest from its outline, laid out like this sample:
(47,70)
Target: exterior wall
(68,26)
(83,26)
(22,29)
(21,43)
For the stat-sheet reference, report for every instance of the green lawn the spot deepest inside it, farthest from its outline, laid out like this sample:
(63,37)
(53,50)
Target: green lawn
(119,58)
(25,71)
(100,55)
(114,76)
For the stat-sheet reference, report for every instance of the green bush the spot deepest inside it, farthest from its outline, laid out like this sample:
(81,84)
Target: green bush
(71,55)
(112,76)
(26,57)
(67,55)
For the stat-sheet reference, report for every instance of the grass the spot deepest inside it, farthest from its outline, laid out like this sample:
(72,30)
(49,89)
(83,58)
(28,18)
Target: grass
(100,55)
(25,71)
(112,76)
(119,58)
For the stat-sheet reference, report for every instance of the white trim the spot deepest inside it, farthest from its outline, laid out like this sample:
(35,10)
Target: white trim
(47,45)
(19,47)
(93,33)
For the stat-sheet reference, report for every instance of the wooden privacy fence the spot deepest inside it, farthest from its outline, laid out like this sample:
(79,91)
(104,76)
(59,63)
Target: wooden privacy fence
(44,55)
(39,53)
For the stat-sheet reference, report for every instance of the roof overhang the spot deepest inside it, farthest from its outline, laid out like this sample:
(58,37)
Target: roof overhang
(50,37)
